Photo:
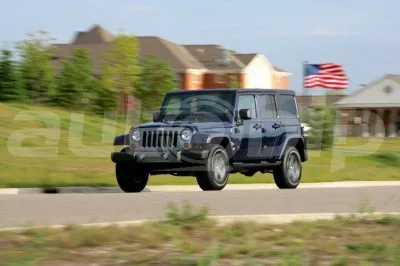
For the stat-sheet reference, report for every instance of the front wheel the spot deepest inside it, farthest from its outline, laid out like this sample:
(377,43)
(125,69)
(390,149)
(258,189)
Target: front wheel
(288,174)
(217,170)
(129,178)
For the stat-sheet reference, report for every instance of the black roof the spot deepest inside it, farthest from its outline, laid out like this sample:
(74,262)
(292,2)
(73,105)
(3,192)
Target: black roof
(238,90)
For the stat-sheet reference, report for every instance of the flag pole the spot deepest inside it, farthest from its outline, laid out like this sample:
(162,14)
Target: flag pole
(305,92)
(304,63)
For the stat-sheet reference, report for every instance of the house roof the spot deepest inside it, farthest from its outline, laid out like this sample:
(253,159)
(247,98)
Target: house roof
(176,55)
(379,93)
(97,41)
(94,50)
(95,35)
(210,56)
(279,69)
(246,58)
(394,77)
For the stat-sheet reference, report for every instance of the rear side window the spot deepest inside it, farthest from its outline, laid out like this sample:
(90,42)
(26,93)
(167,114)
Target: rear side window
(267,106)
(286,106)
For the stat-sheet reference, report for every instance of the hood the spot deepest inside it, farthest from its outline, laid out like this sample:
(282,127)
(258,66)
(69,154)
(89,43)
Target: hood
(192,125)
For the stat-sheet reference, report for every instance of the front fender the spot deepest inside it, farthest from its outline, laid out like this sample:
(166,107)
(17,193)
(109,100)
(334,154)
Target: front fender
(295,140)
(208,137)
(121,140)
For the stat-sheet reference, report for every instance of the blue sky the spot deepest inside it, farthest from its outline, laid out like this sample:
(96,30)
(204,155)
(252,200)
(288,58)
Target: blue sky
(363,36)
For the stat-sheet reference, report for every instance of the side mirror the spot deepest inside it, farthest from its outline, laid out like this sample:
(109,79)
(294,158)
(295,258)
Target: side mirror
(156,116)
(245,114)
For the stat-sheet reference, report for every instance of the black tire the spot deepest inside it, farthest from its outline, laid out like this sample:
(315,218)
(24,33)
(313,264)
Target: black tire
(130,177)
(288,174)
(213,178)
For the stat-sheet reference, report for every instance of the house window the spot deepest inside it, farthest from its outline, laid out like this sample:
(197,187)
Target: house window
(220,78)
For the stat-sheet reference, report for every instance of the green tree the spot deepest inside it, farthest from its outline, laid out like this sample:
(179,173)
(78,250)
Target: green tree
(10,89)
(36,68)
(120,68)
(234,81)
(322,123)
(305,115)
(74,82)
(156,79)
(104,100)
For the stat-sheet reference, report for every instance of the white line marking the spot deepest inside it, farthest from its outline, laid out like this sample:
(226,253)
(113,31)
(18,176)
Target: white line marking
(9,191)
(339,184)
(188,188)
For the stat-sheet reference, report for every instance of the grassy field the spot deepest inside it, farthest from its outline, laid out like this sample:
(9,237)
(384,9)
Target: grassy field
(60,155)
(189,237)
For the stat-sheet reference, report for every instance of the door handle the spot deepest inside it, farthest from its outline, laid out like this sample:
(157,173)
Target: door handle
(257,126)
(275,125)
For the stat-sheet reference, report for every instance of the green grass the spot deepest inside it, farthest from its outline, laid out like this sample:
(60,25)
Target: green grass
(63,158)
(190,237)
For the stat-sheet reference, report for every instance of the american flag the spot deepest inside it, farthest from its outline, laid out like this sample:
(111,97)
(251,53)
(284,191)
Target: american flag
(327,75)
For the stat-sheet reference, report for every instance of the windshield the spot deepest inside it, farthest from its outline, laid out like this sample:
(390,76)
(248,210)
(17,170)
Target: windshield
(198,106)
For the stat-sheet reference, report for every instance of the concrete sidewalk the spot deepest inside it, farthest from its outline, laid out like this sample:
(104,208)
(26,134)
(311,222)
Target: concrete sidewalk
(176,188)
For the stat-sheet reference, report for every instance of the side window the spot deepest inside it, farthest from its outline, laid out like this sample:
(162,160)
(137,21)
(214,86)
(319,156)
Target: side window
(286,106)
(267,106)
(247,102)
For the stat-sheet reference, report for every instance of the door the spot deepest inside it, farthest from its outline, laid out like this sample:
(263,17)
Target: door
(288,113)
(271,126)
(248,132)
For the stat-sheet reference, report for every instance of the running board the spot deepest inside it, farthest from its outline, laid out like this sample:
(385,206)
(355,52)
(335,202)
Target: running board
(256,165)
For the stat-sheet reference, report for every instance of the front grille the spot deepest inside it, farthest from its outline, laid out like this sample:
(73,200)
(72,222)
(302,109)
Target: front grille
(159,138)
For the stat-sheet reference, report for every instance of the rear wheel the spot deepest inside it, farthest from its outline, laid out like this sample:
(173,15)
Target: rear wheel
(217,170)
(130,177)
(288,174)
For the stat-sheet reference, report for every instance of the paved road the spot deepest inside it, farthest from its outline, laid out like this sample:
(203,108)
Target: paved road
(52,209)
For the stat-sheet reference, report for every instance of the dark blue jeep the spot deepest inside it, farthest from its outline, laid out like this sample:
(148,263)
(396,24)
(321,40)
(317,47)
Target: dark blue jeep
(211,133)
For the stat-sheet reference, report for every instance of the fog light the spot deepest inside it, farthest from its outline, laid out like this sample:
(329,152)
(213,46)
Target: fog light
(186,145)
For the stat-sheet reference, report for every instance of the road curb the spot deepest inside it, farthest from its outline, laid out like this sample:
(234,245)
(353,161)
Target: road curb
(62,190)
(228,219)
(182,188)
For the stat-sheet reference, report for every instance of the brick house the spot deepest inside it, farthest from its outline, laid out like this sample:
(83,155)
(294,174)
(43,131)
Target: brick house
(195,66)
(97,41)
(250,70)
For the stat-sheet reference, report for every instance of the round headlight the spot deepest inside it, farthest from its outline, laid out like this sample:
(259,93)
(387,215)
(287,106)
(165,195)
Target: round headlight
(186,134)
(135,135)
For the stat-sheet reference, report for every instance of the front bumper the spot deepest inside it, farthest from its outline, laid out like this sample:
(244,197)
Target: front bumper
(185,156)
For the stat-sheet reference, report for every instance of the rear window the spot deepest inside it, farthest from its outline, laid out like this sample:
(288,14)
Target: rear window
(286,106)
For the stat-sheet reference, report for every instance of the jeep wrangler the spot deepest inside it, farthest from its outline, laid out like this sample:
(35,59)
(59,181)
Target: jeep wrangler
(209,134)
